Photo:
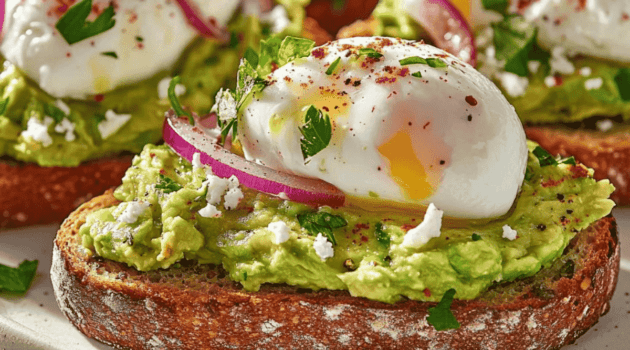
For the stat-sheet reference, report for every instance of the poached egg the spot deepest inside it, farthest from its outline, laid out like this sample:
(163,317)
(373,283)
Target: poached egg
(148,37)
(407,133)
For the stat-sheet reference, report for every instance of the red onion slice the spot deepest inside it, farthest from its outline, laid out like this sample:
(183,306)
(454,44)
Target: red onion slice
(186,140)
(207,28)
(446,26)
(2,5)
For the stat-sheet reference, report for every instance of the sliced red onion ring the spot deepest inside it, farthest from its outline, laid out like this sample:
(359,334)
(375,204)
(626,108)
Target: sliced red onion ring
(186,140)
(2,5)
(446,26)
(207,28)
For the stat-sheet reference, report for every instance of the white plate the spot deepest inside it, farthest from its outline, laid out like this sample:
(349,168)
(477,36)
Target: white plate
(34,321)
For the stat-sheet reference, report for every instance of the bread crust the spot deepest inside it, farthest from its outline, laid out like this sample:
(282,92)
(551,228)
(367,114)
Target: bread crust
(608,153)
(195,306)
(31,194)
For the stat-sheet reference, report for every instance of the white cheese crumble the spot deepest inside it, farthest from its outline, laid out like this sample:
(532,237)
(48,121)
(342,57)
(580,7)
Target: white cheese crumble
(533,66)
(585,71)
(38,130)
(513,84)
(509,233)
(323,247)
(604,125)
(216,188)
(196,161)
(64,107)
(210,211)
(132,212)
(550,81)
(233,195)
(429,228)
(281,230)
(67,127)
(112,123)
(559,62)
(593,84)
(163,88)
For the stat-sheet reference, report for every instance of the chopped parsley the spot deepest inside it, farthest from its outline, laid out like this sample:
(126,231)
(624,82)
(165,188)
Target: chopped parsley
(370,52)
(167,185)
(441,317)
(177,107)
(323,223)
(139,39)
(3,106)
(417,74)
(54,112)
(499,6)
(431,61)
(476,237)
(333,66)
(110,54)
(317,132)
(515,43)
(18,279)
(251,56)
(528,174)
(381,236)
(623,83)
(74,27)
(545,158)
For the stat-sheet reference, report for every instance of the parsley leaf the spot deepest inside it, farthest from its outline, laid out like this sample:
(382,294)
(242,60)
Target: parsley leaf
(74,27)
(317,132)
(110,54)
(381,236)
(18,279)
(499,6)
(431,61)
(545,158)
(3,106)
(333,66)
(177,107)
(293,48)
(252,57)
(441,317)
(476,237)
(322,223)
(167,185)
(54,112)
(623,83)
(514,40)
(417,74)
(370,52)
(528,174)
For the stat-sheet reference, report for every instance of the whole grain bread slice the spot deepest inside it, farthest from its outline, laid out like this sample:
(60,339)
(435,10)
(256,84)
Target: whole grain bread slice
(31,194)
(196,307)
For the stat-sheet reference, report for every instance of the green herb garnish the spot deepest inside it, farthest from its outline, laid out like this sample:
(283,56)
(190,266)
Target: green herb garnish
(177,107)
(370,52)
(514,41)
(110,54)
(317,132)
(54,112)
(476,237)
(431,61)
(381,236)
(333,66)
(499,6)
(322,223)
(623,83)
(74,27)
(441,317)
(545,158)
(3,106)
(416,74)
(18,279)
(139,39)
(528,174)
(167,185)
(252,57)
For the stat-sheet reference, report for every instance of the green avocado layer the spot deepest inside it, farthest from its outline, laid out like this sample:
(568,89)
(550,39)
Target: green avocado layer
(555,202)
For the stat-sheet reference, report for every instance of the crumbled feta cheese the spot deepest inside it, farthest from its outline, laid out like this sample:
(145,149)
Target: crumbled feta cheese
(585,71)
(281,230)
(550,81)
(216,188)
(491,55)
(38,130)
(513,84)
(210,211)
(112,123)
(64,107)
(323,248)
(163,88)
(533,66)
(132,212)
(196,161)
(593,84)
(604,125)
(509,233)
(233,182)
(67,127)
(559,62)
(278,18)
(429,228)
(232,198)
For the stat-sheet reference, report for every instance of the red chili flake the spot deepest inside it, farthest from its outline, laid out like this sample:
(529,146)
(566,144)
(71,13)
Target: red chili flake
(326,109)
(358,227)
(625,16)
(558,79)
(140,46)
(319,53)
(162,171)
(364,239)
(403,72)
(552,182)
(427,292)
(578,171)
(425,125)
(388,69)
(287,78)
(274,66)
(384,80)
(68,54)
(151,155)
(557,22)
(99,97)
(133,18)
(471,100)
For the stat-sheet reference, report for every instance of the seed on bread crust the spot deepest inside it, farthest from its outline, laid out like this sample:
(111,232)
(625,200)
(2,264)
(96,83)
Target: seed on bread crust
(31,194)
(195,306)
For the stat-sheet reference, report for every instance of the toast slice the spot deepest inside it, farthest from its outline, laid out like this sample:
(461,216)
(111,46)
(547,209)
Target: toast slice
(31,194)
(196,306)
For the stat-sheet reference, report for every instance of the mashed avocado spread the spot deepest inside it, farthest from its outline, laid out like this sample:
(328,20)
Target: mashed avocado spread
(35,127)
(159,223)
